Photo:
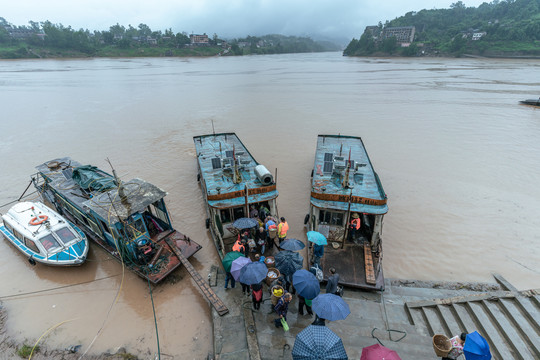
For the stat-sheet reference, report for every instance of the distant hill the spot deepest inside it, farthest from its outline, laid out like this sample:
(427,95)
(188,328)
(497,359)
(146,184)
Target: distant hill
(502,28)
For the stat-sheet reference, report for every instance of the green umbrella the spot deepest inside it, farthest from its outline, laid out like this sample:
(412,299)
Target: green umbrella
(229,258)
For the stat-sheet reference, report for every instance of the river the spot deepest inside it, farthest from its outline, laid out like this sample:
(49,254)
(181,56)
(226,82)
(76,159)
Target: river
(457,155)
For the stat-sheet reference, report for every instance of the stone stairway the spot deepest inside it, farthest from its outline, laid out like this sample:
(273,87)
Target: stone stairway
(509,320)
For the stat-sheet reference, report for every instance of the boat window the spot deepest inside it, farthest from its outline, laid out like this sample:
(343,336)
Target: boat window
(238,212)
(17,235)
(105,227)
(31,245)
(330,218)
(225,216)
(65,234)
(49,243)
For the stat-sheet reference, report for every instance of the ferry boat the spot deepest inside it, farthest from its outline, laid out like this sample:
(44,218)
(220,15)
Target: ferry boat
(128,219)
(233,184)
(345,187)
(533,102)
(44,235)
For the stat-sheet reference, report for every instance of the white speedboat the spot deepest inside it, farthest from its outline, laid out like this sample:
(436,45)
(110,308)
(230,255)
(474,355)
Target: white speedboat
(43,235)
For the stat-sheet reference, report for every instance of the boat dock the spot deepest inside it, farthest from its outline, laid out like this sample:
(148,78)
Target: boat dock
(402,318)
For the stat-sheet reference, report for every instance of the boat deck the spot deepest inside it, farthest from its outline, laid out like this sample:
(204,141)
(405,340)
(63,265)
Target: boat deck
(349,264)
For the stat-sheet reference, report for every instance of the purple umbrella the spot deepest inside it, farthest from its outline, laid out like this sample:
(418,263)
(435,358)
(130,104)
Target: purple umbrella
(237,265)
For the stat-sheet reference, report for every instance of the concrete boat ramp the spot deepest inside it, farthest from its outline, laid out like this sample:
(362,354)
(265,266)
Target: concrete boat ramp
(403,318)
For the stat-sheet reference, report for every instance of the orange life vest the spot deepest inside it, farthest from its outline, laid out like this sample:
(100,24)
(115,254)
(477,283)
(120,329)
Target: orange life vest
(238,246)
(283,228)
(355,224)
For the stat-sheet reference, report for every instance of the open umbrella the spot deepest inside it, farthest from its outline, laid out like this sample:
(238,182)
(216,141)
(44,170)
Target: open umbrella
(378,352)
(476,347)
(330,307)
(237,265)
(287,262)
(253,273)
(245,223)
(306,284)
(318,342)
(316,238)
(292,244)
(229,258)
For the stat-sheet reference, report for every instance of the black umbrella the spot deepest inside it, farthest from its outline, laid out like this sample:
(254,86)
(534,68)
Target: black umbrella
(245,223)
(292,244)
(287,262)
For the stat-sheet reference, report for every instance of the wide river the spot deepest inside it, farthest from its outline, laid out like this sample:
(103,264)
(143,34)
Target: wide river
(459,159)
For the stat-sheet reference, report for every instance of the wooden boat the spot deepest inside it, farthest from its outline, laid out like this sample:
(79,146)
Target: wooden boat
(533,102)
(345,186)
(231,182)
(43,235)
(127,219)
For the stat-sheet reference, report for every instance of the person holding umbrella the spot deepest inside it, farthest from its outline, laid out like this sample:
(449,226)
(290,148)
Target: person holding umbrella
(281,308)
(457,347)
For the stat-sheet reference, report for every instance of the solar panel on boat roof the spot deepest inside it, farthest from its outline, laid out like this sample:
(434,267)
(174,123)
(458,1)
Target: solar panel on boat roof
(68,173)
(328,167)
(216,163)
(352,164)
(328,157)
(229,153)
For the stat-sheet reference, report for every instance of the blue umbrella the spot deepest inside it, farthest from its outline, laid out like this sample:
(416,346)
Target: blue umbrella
(330,307)
(287,262)
(306,284)
(253,273)
(476,347)
(317,238)
(237,265)
(292,244)
(318,342)
(245,223)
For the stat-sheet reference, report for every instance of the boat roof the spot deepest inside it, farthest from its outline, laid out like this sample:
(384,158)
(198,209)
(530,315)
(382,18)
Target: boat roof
(111,205)
(22,213)
(215,155)
(364,190)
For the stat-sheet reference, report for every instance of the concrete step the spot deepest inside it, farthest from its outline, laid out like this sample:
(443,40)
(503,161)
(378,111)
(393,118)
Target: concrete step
(449,320)
(463,318)
(490,332)
(506,327)
(523,324)
(531,309)
(416,316)
(434,320)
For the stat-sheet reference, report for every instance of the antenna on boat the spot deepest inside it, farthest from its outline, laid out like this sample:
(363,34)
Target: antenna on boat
(341,148)
(348,168)
(213,131)
(118,181)
(236,175)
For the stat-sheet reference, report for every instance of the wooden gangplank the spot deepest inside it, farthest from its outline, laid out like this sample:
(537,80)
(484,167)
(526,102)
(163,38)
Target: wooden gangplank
(203,285)
(368,261)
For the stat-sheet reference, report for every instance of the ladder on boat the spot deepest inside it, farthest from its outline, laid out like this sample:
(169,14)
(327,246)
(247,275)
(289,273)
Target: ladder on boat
(368,260)
(203,285)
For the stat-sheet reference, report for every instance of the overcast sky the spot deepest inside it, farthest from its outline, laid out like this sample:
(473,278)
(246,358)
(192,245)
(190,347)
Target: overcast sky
(227,18)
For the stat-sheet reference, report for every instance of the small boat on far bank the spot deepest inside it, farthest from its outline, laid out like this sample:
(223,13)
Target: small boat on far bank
(533,102)
(347,191)
(44,235)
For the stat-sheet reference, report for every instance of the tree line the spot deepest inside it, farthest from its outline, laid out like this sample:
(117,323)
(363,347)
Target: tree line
(23,41)
(510,26)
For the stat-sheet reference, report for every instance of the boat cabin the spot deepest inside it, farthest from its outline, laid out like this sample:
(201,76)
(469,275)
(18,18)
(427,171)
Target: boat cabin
(234,185)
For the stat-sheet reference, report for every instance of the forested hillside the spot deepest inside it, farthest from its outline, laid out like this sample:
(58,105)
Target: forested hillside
(45,39)
(499,28)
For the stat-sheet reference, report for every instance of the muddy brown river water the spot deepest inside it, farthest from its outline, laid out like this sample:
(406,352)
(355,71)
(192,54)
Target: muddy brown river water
(457,155)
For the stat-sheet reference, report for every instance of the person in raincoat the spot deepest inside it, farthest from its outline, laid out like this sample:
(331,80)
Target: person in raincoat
(281,308)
